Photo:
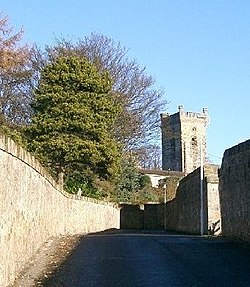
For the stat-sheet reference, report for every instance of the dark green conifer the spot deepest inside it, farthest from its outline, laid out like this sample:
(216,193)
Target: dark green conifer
(74,113)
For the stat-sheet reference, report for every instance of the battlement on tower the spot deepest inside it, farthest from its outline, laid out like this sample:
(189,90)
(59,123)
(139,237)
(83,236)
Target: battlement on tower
(175,118)
(197,115)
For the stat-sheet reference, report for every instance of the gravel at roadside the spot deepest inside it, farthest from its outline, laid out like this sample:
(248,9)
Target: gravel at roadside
(45,261)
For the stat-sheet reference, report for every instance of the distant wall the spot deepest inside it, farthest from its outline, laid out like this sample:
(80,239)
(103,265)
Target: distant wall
(144,216)
(154,216)
(188,203)
(183,212)
(235,191)
(34,208)
(132,216)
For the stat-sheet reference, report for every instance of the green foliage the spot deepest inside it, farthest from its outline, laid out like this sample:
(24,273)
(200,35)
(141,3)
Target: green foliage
(171,183)
(77,183)
(134,187)
(107,188)
(146,195)
(145,181)
(74,112)
(15,133)
(128,181)
(135,90)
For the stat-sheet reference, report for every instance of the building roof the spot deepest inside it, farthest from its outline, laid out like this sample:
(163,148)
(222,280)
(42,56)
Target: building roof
(161,172)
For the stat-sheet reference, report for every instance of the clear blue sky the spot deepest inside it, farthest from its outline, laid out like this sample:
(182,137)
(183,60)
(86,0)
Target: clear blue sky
(198,51)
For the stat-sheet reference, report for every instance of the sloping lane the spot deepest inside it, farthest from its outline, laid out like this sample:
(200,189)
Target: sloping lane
(146,259)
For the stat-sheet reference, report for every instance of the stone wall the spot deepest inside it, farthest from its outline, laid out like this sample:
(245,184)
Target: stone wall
(154,216)
(132,216)
(34,208)
(188,203)
(213,199)
(183,212)
(235,191)
(144,216)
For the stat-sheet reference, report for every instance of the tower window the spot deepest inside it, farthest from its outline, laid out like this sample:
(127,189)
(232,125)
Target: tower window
(194,141)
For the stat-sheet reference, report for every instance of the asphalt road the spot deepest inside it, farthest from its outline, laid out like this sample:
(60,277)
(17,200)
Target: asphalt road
(154,260)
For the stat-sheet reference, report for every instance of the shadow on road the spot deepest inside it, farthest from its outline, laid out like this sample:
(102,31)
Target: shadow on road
(147,258)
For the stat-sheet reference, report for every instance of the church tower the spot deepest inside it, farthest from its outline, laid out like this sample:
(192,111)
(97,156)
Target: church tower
(183,140)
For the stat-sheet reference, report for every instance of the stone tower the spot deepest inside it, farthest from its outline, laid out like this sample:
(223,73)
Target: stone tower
(183,140)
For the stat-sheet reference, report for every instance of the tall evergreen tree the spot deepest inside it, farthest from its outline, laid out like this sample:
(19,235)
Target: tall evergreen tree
(74,113)
(141,102)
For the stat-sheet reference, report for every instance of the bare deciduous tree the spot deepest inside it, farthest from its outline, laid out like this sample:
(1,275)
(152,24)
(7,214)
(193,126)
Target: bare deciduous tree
(148,157)
(15,75)
(142,103)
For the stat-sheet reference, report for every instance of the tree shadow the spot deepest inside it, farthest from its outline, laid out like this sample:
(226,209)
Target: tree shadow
(65,268)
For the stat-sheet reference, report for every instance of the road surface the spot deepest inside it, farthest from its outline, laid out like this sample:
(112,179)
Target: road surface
(153,260)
